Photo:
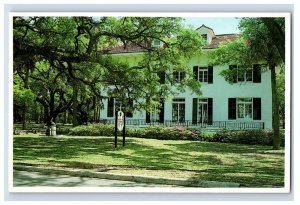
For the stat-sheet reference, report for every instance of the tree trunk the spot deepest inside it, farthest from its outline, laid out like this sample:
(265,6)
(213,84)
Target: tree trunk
(275,110)
(75,103)
(278,35)
(36,113)
(65,117)
(25,105)
(94,107)
(25,108)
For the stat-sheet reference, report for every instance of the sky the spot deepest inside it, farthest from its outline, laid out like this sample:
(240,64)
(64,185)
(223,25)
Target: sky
(220,25)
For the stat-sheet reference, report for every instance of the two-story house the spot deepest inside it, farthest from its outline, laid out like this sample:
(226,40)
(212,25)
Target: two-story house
(247,103)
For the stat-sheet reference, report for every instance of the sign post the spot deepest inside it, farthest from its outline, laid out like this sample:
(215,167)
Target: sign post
(119,125)
(116,130)
(124,120)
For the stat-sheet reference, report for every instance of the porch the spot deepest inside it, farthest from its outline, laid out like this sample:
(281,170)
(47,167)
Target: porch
(190,123)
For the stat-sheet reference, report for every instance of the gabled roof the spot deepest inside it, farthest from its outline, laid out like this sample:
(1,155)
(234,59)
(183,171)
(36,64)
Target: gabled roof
(203,26)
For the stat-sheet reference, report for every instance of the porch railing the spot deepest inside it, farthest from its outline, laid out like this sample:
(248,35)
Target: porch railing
(190,123)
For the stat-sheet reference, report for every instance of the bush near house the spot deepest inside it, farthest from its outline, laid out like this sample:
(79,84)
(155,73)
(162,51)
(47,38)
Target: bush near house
(165,133)
(92,130)
(259,137)
(63,130)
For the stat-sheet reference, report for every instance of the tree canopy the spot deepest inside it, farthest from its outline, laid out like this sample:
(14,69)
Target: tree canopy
(62,60)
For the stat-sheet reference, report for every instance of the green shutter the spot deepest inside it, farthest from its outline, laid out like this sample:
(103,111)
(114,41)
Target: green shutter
(195,70)
(110,107)
(256,73)
(210,110)
(147,117)
(210,75)
(231,108)
(195,110)
(256,108)
(162,111)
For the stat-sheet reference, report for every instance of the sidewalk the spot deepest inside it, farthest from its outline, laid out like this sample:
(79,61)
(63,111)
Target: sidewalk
(38,179)
(132,178)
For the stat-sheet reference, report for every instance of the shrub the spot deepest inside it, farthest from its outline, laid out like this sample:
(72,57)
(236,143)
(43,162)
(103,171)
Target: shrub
(260,137)
(163,133)
(93,130)
(63,130)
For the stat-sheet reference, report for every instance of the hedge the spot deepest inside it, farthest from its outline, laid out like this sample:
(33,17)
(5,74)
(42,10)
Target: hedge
(259,137)
(164,133)
(92,130)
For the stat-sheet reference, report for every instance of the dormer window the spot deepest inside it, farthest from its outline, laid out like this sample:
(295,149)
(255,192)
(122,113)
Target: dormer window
(156,43)
(206,33)
(204,36)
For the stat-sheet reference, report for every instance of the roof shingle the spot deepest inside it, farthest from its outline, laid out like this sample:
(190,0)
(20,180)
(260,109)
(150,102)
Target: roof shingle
(137,49)
(221,39)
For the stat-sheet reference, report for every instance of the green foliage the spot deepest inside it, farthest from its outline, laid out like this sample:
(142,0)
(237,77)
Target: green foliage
(92,130)
(232,52)
(22,95)
(258,137)
(255,44)
(62,130)
(69,69)
(260,38)
(252,137)
(164,133)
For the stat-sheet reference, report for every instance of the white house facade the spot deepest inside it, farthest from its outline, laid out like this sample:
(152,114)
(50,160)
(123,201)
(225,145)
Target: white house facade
(245,104)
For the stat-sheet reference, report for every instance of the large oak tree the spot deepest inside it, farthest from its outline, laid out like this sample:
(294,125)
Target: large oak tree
(68,57)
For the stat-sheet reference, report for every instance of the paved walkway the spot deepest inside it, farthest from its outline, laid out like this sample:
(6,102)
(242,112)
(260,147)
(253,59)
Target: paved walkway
(31,179)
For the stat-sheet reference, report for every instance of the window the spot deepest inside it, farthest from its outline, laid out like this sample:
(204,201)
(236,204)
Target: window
(204,36)
(156,42)
(157,115)
(114,105)
(154,116)
(244,108)
(178,109)
(242,74)
(178,76)
(247,75)
(202,110)
(203,74)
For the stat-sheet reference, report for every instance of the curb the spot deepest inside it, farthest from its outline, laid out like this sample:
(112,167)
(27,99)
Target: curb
(135,178)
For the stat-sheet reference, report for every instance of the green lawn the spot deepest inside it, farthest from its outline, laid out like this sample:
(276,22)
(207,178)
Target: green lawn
(249,165)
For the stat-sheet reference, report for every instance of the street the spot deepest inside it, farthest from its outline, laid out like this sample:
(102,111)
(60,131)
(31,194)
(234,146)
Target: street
(33,179)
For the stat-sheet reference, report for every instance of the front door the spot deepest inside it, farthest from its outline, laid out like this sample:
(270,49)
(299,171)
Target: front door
(202,111)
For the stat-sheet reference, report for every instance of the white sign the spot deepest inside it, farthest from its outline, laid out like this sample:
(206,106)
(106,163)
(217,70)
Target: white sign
(120,121)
